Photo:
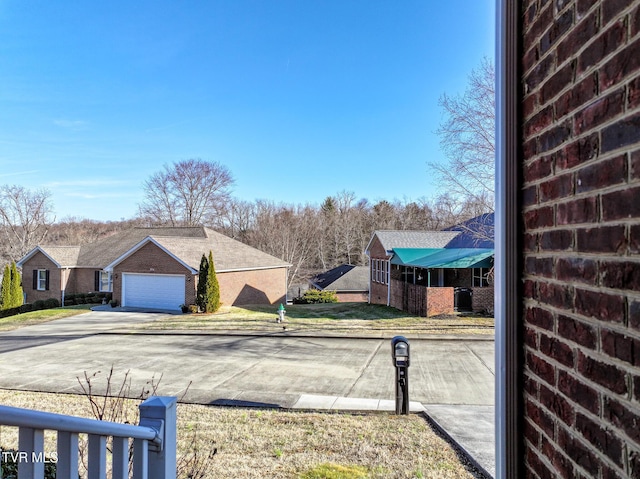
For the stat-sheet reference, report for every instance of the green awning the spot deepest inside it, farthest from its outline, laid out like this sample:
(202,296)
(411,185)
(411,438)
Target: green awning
(428,258)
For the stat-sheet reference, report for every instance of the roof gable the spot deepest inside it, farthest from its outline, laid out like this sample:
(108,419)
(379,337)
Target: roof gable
(61,256)
(138,246)
(391,239)
(186,245)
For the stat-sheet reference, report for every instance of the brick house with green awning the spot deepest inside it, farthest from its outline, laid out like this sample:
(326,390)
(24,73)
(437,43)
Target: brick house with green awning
(419,272)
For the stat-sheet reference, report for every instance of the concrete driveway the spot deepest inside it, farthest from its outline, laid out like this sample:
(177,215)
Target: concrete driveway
(258,370)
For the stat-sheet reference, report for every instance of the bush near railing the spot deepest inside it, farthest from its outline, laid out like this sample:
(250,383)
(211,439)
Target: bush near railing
(9,466)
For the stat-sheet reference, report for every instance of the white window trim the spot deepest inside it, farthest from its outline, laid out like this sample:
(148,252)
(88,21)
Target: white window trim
(109,282)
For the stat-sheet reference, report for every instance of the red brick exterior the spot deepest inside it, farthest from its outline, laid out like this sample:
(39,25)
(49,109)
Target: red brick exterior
(352,297)
(150,259)
(378,292)
(439,301)
(419,299)
(36,262)
(482,299)
(581,237)
(260,286)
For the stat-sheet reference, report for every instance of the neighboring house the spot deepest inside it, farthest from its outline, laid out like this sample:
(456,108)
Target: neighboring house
(432,272)
(155,268)
(351,283)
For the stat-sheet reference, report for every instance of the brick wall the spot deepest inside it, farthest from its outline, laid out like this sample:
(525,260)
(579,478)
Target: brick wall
(482,299)
(263,286)
(439,301)
(40,261)
(353,297)
(378,291)
(581,237)
(150,259)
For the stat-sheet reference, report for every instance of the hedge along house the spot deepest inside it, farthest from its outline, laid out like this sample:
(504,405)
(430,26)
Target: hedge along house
(427,273)
(155,268)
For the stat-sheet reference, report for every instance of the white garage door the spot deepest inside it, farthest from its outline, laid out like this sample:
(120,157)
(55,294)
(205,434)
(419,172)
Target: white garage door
(159,291)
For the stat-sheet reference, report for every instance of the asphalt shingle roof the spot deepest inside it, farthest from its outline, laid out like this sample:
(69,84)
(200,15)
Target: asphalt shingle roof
(65,256)
(414,239)
(187,243)
(346,277)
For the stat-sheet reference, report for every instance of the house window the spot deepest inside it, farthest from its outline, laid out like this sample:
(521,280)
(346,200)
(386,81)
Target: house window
(41,280)
(106,284)
(480,277)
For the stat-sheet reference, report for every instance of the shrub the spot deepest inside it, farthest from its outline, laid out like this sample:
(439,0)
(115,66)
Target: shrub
(38,305)
(213,288)
(10,465)
(51,303)
(314,296)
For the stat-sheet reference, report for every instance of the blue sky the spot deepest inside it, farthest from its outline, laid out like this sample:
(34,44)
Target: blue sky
(300,99)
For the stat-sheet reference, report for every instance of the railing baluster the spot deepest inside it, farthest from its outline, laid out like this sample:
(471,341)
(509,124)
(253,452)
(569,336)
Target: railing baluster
(140,459)
(67,466)
(97,457)
(120,457)
(31,450)
(154,441)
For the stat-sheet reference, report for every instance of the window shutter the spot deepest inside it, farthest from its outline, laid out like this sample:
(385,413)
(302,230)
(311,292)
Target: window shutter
(46,284)
(35,279)
(96,281)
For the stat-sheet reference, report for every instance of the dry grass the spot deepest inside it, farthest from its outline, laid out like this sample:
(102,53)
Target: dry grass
(41,316)
(255,443)
(337,318)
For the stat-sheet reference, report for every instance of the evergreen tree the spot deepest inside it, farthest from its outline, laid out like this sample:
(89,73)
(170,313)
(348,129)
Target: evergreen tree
(201,295)
(17,296)
(213,288)
(5,294)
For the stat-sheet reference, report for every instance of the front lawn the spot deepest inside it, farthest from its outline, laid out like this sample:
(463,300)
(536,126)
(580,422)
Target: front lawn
(41,316)
(257,443)
(328,318)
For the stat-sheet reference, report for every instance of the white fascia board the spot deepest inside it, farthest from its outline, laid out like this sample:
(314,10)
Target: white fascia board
(235,270)
(135,248)
(366,250)
(31,253)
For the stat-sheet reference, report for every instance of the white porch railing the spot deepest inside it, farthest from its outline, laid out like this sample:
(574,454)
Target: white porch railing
(154,442)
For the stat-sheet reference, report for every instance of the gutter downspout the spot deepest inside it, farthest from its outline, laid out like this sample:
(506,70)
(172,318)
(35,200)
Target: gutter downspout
(389,282)
(369,294)
(508,407)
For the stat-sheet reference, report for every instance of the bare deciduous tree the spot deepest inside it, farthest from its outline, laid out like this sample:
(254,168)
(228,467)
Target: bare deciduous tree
(467,137)
(187,193)
(287,232)
(26,217)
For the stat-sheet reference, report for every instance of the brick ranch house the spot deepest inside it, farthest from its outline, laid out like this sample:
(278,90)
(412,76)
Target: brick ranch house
(427,273)
(155,268)
(568,239)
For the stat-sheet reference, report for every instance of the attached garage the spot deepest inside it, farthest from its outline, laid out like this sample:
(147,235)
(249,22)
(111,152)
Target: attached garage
(157,291)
